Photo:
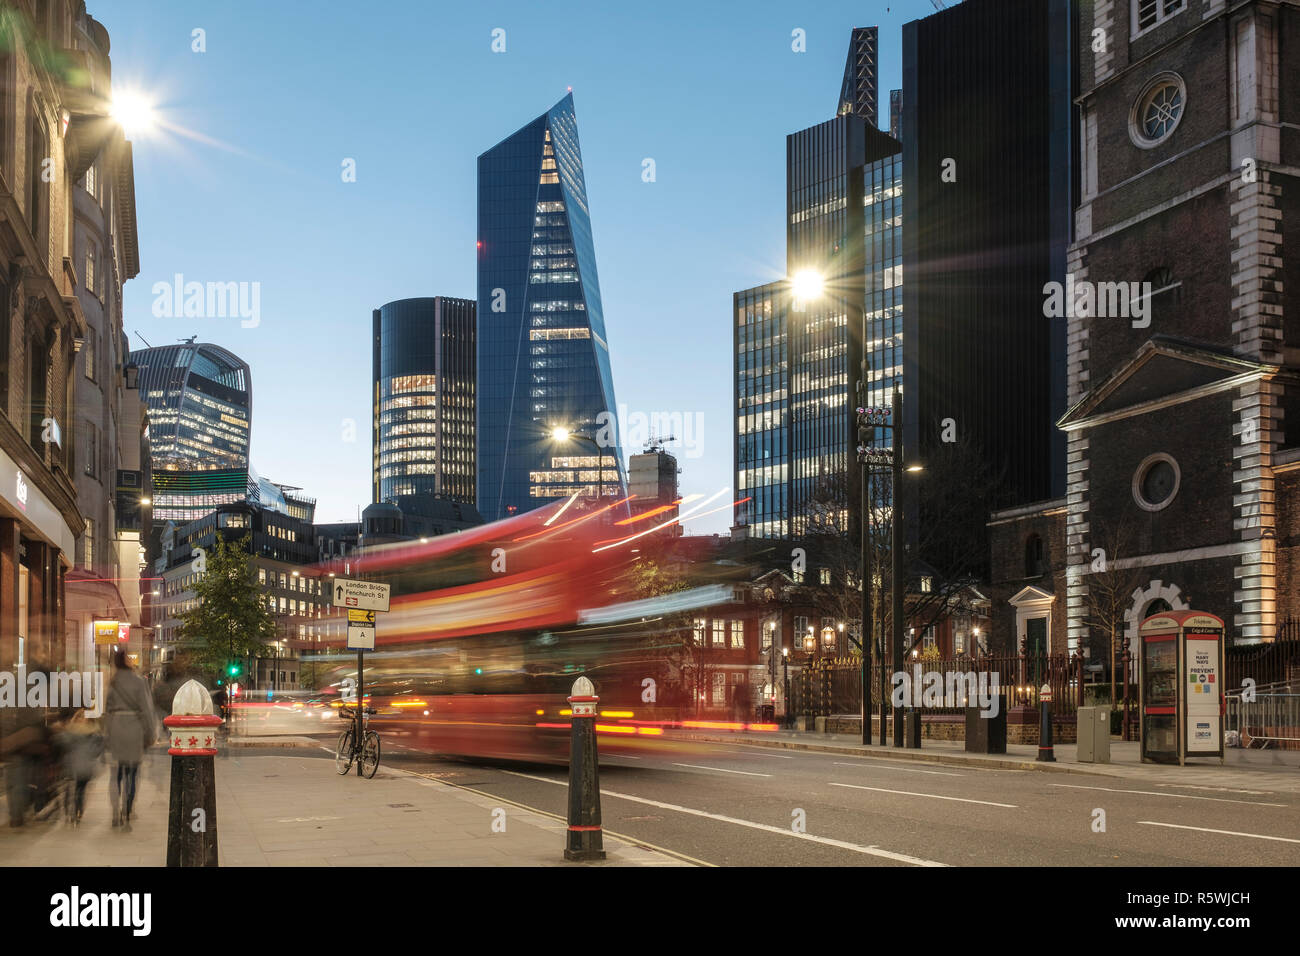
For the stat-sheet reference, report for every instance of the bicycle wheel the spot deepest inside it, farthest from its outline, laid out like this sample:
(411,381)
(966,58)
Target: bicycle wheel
(369,755)
(343,754)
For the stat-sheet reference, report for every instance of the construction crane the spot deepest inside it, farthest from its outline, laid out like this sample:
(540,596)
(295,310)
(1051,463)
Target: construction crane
(939,4)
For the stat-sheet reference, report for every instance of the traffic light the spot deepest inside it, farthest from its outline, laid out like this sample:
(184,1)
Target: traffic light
(234,669)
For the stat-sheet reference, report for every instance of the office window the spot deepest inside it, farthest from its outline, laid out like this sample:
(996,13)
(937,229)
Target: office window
(88,551)
(824,576)
(261,576)
(719,633)
(91,256)
(698,634)
(738,634)
(89,349)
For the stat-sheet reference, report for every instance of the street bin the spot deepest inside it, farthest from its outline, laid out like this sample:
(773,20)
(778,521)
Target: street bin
(1094,734)
(986,735)
(912,728)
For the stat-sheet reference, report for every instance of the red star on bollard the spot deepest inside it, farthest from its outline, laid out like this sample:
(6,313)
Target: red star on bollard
(207,741)
(194,741)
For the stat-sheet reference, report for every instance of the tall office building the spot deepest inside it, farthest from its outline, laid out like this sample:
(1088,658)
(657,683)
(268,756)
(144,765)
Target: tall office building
(799,362)
(987,178)
(543,357)
(200,403)
(423,415)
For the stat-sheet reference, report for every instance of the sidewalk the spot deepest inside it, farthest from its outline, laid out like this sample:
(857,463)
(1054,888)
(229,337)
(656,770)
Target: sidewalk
(293,810)
(1277,770)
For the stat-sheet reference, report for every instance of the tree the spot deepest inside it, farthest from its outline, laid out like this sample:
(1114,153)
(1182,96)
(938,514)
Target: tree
(229,621)
(1110,587)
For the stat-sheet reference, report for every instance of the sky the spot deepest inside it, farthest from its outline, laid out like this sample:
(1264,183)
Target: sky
(243,180)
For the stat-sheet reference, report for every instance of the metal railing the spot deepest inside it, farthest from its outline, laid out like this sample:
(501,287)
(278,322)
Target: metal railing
(1267,716)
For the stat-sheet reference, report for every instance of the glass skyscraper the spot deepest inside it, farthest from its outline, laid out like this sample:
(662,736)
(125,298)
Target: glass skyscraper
(200,402)
(543,357)
(423,415)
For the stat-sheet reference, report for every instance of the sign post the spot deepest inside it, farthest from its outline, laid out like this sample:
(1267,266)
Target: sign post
(362,599)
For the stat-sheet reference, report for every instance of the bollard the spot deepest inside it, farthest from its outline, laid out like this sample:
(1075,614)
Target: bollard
(1045,751)
(584,840)
(192,735)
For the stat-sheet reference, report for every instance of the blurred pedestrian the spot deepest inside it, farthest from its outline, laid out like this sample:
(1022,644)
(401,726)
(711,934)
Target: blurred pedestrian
(131,729)
(80,745)
(25,747)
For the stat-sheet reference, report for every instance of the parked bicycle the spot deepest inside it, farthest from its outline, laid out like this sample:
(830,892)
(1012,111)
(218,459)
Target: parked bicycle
(357,743)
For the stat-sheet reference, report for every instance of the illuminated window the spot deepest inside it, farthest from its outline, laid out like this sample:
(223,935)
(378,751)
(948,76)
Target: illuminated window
(737,634)
(719,633)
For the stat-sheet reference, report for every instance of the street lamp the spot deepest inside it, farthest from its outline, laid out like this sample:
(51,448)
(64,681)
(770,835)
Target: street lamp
(562,434)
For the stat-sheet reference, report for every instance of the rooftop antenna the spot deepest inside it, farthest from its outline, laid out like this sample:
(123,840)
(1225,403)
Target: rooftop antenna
(189,341)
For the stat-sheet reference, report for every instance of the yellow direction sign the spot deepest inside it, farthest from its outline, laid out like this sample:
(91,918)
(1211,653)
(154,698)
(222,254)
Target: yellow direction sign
(356,616)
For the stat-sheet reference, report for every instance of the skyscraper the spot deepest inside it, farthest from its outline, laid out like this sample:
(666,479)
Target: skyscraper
(423,416)
(543,356)
(200,401)
(859,90)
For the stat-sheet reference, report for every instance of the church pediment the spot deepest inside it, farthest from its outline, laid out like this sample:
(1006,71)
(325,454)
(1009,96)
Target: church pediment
(1163,371)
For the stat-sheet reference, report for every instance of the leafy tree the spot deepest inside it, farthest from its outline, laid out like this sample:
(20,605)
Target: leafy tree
(230,620)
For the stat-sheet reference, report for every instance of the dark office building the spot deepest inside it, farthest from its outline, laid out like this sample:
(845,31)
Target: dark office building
(424,401)
(987,179)
(543,357)
(798,358)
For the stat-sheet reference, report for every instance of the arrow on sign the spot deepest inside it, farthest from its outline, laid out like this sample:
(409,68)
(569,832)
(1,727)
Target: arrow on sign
(339,592)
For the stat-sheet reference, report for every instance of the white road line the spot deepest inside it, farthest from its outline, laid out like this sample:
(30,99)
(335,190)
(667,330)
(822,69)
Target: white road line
(1253,836)
(932,796)
(827,841)
(1173,796)
(888,766)
(1189,786)
(747,773)
(756,747)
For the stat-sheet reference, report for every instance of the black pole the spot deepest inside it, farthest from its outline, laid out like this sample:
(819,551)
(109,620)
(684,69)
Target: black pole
(585,840)
(1045,752)
(864,633)
(361,704)
(896,552)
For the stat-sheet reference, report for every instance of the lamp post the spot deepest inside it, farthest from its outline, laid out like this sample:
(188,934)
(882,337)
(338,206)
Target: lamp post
(785,673)
(561,434)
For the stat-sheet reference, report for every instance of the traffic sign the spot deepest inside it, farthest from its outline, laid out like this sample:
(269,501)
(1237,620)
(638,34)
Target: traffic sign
(361,637)
(360,617)
(368,595)
(1045,693)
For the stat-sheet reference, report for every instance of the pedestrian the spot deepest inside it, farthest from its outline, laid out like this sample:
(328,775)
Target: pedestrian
(80,745)
(25,747)
(131,729)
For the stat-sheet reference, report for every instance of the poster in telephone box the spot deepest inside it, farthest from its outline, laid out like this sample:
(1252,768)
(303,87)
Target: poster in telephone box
(1180,686)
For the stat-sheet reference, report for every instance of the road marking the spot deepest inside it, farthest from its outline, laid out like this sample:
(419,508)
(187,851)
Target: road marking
(1173,796)
(747,773)
(424,780)
(747,753)
(827,841)
(863,763)
(1253,836)
(1188,786)
(932,796)
(306,819)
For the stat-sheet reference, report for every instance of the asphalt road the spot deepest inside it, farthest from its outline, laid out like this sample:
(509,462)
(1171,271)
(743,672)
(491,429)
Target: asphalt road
(741,805)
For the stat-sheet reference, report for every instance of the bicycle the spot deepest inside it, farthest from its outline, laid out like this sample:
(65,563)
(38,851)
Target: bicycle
(365,753)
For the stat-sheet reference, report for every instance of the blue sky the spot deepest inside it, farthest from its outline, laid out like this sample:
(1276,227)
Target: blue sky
(244,184)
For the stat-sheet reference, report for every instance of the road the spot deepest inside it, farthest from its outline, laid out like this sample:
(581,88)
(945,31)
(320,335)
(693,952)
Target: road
(741,805)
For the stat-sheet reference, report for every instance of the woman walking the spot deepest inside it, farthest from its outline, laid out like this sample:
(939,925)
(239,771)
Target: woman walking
(128,713)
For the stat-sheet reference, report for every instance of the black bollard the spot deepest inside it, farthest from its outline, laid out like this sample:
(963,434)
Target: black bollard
(1045,752)
(192,736)
(584,836)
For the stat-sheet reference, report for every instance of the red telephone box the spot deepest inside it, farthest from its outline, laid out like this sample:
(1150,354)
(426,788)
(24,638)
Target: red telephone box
(1180,686)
